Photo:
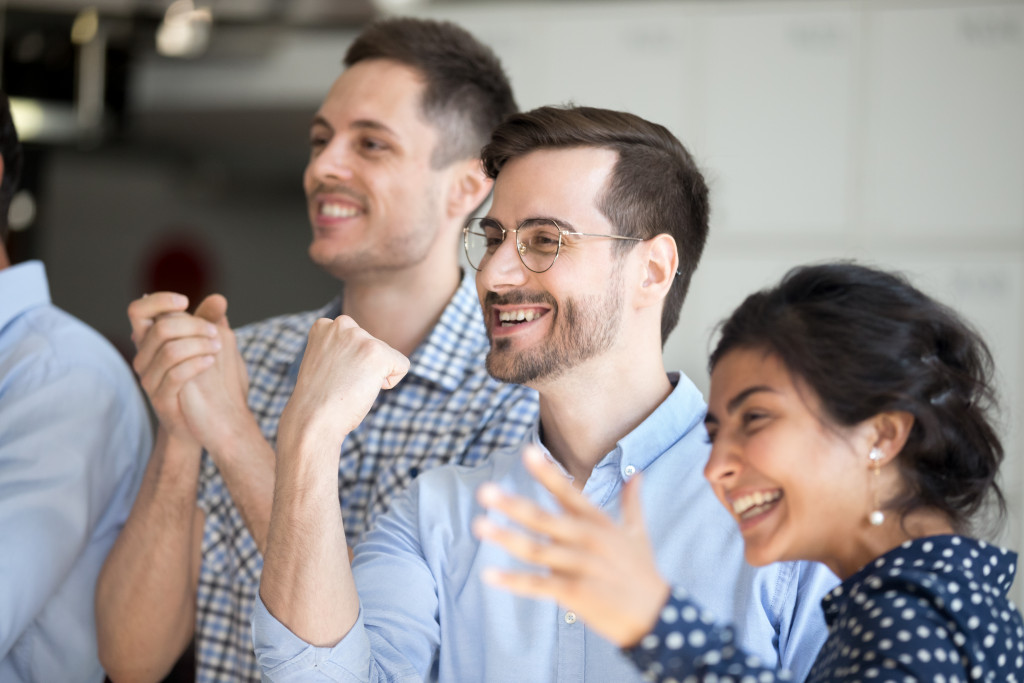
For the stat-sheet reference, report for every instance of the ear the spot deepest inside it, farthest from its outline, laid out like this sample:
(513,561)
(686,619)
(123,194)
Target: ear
(468,187)
(659,262)
(891,431)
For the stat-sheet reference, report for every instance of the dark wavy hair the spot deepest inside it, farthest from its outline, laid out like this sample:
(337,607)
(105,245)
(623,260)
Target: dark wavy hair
(467,92)
(866,342)
(10,147)
(654,188)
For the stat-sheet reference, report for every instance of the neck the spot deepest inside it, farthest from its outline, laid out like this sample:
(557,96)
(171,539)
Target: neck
(871,542)
(5,260)
(400,308)
(587,410)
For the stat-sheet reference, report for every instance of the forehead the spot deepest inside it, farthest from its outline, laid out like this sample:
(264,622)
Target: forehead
(742,368)
(557,183)
(381,91)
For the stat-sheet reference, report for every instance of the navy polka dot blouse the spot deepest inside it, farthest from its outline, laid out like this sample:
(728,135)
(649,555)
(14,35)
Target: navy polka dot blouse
(934,609)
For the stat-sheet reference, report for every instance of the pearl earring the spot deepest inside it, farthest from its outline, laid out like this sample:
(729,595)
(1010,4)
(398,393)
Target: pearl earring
(877,516)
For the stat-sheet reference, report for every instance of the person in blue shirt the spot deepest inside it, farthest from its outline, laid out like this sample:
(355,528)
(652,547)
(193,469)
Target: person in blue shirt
(74,438)
(597,224)
(850,421)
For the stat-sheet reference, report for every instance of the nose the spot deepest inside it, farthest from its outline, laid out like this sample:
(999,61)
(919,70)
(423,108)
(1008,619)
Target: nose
(503,269)
(331,163)
(722,465)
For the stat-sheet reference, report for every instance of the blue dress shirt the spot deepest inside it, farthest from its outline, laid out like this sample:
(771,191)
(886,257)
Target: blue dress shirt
(425,613)
(74,438)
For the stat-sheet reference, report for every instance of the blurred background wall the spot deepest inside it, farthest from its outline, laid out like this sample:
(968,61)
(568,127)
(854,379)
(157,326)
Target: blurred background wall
(888,131)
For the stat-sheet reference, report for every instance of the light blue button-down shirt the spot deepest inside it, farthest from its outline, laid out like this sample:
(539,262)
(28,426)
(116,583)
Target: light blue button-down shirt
(74,438)
(425,614)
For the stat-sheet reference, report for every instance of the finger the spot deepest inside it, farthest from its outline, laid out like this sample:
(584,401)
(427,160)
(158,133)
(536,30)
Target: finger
(142,312)
(527,514)
(167,328)
(174,353)
(398,370)
(526,584)
(632,508)
(164,392)
(551,478)
(213,308)
(550,554)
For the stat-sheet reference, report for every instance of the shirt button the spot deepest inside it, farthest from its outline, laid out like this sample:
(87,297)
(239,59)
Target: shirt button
(570,617)
(629,471)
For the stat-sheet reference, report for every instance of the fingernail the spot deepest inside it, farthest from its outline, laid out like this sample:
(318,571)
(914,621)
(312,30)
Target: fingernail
(179,300)
(215,342)
(211,330)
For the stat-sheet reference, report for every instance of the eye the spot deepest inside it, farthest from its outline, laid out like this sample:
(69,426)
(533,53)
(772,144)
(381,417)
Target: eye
(712,432)
(751,419)
(541,240)
(317,141)
(372,145)
(494,237)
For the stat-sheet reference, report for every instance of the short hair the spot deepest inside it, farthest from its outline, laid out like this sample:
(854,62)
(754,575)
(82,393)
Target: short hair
(10,146)
(655,186)
(866,341)
(467,92)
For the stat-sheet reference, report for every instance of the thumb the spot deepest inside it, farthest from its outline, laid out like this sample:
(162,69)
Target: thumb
(632,507)
(399,367)
(213,308)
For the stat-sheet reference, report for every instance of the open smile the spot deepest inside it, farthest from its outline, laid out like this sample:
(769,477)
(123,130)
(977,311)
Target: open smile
(514,319)
(753,505)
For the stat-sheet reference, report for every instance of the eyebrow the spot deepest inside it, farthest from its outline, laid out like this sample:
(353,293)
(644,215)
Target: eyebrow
(563,224)
(738,399)
(364,124)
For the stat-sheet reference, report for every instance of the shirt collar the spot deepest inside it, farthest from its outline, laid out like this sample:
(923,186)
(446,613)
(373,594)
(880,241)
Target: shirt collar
(652,437)
(673,420)
(458,342)
(28,283)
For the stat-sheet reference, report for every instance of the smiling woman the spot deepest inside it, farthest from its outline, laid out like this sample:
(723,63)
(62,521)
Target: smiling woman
(849,416)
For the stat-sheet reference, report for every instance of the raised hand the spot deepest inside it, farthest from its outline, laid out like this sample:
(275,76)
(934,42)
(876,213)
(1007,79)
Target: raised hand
(603,570)
(173,347)
(343,369)
(215,402)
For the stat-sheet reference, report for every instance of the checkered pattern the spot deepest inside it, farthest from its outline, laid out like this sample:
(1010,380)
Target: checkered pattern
(446,410)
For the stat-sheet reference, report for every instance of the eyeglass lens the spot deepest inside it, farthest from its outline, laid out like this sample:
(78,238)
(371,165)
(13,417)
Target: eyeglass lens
(536,241)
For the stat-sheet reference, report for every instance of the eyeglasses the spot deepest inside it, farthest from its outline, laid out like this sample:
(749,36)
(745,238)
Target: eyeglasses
(538,241)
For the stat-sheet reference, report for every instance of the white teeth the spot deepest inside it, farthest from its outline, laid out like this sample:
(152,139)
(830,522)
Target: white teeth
(522,315)
(338,210)
(755,503)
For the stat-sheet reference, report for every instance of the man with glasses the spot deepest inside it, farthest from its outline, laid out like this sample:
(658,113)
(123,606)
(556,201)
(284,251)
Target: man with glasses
(598,221)
(393,172)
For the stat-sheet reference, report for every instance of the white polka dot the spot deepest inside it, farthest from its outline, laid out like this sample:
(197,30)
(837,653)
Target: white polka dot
(674,640)
(697,638)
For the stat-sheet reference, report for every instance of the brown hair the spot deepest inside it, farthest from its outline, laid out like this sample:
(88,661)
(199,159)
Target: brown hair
(467,92)
(655,186)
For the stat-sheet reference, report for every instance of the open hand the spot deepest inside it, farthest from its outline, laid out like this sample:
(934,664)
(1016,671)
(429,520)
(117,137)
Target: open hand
(603,570)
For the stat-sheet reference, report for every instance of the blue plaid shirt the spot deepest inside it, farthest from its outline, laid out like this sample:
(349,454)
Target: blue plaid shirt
(446,410)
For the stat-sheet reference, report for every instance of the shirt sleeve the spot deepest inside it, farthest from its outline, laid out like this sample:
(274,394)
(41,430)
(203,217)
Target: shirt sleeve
(397,634)
(686,642)
(71,454)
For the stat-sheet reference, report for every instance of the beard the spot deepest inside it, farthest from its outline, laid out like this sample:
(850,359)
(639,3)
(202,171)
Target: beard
(583,327)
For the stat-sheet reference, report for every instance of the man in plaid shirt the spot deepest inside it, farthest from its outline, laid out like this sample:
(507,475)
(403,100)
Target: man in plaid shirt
(393,173)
